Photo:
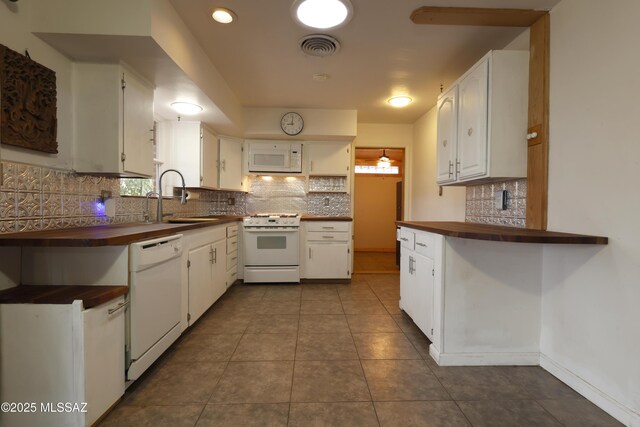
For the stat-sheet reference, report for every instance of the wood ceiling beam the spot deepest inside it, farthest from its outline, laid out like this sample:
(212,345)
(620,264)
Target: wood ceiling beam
(430,15)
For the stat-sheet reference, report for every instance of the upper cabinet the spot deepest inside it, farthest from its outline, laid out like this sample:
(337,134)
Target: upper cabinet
(328,158)
(190,148)
(113,124)
(482,121)
(231,165)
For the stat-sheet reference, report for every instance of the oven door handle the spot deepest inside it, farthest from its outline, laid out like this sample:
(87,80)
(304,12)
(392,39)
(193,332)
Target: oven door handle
(271,230)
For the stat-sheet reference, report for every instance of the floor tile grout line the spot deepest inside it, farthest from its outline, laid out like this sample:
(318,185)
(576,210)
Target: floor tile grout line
(295,353)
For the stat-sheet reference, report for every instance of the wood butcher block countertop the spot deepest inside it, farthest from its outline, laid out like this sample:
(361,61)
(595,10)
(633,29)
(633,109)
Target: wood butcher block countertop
(91,296)
(103,235)
(468,230)
(326,218)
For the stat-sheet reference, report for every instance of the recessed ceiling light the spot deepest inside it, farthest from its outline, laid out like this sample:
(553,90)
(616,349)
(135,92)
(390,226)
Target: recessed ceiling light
(186,108)
(223,15)
(400,101)
(323,14)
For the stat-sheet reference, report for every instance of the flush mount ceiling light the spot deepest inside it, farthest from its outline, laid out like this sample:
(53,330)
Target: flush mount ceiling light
(223,15)
(400,101)
(322,14)
(186,108)
(384,161)
(320,77)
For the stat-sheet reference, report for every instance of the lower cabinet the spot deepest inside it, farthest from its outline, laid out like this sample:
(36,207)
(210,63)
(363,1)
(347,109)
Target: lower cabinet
(59,353)
(206,270)
(326,253)
(417,277)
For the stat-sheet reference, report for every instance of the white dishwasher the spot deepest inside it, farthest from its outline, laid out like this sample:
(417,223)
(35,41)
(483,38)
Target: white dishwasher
(153,320)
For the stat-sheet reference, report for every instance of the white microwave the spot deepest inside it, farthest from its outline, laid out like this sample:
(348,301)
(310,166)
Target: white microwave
(275,157)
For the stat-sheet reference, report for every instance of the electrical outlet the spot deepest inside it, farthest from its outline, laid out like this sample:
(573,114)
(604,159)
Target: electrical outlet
(104,195)
(326,201)
(231,201)
(501,200)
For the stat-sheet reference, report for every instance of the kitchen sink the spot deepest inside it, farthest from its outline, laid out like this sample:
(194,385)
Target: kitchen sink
(194,219)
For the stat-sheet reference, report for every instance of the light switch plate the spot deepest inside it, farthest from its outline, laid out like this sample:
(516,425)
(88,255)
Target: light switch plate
(501,200)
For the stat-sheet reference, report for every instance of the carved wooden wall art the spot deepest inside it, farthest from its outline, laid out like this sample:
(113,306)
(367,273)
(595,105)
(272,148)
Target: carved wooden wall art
(27,103)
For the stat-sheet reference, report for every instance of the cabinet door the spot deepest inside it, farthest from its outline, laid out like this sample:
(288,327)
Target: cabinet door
(138,127)
(201,281)
(406,281)
(327,261)
(328,158)
(219,269)
(423,297)
(472,122)
(209,160)
(230,165)
(447,136)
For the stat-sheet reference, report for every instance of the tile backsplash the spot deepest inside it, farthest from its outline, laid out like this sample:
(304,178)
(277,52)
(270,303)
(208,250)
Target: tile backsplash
(480,205)
(40,198)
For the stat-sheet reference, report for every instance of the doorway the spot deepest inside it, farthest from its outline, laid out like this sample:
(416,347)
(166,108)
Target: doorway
(378,203)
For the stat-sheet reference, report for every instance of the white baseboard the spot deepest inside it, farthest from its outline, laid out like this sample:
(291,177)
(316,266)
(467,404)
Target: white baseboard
(605,402)
(484,359)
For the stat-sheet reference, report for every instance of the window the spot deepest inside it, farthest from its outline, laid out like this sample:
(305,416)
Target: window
(135,186)
(377,170)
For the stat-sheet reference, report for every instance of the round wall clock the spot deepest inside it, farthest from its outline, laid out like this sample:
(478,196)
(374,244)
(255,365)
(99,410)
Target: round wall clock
(292,123)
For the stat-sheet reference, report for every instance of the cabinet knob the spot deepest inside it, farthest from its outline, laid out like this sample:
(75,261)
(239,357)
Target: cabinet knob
(470,131)
(444,143)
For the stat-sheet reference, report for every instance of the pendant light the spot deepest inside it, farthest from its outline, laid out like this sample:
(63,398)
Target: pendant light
(384,162)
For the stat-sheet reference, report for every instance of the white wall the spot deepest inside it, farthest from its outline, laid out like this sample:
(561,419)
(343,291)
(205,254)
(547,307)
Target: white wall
(14,24)
(590,314)
(319,124)
(426,204)
(393,136)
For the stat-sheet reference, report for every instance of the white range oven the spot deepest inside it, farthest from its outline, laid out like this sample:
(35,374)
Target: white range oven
(271,248)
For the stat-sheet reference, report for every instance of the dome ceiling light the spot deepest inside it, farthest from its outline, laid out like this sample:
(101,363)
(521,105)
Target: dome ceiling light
(223,15)
(322,14)
(400,101)
(186,108)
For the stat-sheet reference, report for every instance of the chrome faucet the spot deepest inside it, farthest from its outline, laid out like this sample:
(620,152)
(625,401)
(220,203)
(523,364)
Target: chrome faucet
(183,197)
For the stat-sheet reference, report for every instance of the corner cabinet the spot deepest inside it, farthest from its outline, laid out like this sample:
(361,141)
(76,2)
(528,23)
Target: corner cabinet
(482,121)
(113,124)
(326,253)
(231,177)
(192,149)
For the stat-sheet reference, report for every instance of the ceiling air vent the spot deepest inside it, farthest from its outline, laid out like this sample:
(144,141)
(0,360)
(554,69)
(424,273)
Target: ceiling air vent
(319,45)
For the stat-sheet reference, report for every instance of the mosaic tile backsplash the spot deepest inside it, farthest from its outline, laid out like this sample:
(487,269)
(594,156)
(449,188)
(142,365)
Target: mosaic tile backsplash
(480,206)
(40,198)
(285,194)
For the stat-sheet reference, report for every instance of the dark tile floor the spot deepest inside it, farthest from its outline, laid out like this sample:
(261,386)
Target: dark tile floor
(333,355)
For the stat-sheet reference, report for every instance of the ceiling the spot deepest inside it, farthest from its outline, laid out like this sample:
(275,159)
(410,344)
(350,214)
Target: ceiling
(383,54)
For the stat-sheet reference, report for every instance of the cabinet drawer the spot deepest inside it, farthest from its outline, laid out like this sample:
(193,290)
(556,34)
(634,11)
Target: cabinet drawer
(407,238)
(232,244)
(232,260)
(327,236)
(425,243)
(232,230)
(328,226)
(232,276)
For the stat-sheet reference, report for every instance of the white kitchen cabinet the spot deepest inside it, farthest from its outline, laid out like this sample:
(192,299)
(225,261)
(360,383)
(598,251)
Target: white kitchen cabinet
(328,158)
(113,123)
(417,278)
(327,250)
(190,148)
(207,266)
(447,136)
(232,255)
(61,353)
(231,177)
(483,137)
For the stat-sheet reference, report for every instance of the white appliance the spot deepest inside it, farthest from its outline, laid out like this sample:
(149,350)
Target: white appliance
(153,317)
(275,157)
(270,248)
